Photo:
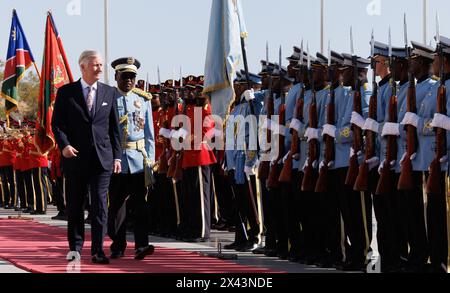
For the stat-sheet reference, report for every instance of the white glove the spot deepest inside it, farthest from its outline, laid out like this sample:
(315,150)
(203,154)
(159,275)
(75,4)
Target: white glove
(371,125)
(249,171)
(330,164)
(164,132)
(277,128)
(444,159)
(390,129)
(412,157)
(180,133)
(286,156)
(441,121)
(357,119)
(381,166)
(311,133)
(249,95)
(410,119)
(49,164)
(314,165)
(373,162)
(352,153)
(330,130)
(295,124)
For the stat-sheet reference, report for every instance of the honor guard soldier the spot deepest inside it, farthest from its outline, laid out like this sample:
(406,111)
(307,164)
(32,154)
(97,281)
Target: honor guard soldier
(441,120)
(196,167)
(138,144)
(426,93)
(8,177)
(38,164)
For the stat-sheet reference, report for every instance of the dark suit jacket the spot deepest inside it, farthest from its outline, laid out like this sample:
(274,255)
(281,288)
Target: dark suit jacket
(73,125)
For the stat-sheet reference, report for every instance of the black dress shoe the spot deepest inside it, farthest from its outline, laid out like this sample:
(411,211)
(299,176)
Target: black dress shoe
(142,252)
(259,250)
(60,216)
(100,259)
(116,254)
(37,213)
(231,245)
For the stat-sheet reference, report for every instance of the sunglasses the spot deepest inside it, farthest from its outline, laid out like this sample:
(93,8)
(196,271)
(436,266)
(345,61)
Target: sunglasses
(128,75)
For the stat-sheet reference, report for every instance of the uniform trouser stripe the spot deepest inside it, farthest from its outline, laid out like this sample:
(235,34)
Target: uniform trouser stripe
(15,184)
(177,206)
(447,185)
(260,208)
(64,190)
(364,218)
(216,206)
(34,190)
(49,190)
(202,199)
(3,192)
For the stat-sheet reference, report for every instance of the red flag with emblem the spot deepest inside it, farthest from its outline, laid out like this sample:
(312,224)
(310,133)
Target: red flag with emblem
(55,73)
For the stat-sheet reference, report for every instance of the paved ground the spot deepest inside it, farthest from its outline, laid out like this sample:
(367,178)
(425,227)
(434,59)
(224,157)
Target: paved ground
(207,247)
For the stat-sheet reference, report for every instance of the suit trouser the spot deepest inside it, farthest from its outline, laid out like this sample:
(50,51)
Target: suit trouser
(41,189)
(131,186)
(244,212)
(327,220)
(29,189)
(354,216)
(9,186)
(4,198)
(389,225)
(20,188)
(414,223)
(437,225)
(168,210)
(96,179)
(291,197)
(58,193)
(196,185)
(223,196)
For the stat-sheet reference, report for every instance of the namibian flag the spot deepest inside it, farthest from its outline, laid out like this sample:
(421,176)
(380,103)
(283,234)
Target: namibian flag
(19,58)
(55,73)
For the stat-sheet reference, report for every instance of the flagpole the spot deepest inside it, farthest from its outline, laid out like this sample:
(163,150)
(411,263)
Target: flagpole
(106,42)
(321,25)
(424,21)
(37,71)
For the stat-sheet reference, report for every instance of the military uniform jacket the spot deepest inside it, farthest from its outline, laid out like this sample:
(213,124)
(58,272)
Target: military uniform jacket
(321,99)
(291,102)
(202,154)
(136,124)
(402,102)
(426,93)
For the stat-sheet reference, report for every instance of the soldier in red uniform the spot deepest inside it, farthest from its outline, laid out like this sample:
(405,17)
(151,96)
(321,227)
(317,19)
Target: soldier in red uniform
(196,170)
(8,155)
(19,148)
(38,164)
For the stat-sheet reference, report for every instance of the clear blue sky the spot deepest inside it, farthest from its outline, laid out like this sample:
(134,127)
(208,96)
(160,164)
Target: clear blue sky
(173,33)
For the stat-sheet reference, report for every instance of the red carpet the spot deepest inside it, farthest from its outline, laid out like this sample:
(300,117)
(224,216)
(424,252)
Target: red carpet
(40,248)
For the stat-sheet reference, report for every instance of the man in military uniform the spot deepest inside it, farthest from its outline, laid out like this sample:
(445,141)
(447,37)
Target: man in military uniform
(426,92)
(138,155)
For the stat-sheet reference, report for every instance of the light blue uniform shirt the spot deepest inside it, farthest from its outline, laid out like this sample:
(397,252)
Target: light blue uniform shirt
(140,127)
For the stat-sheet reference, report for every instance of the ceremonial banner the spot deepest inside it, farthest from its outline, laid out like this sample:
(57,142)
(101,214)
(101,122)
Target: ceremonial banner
(55,73)
(224,53)
(18,59)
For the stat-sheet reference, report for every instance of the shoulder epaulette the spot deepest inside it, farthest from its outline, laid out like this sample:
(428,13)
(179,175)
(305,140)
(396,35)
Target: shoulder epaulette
(142,93)
(328,87)
(436,78)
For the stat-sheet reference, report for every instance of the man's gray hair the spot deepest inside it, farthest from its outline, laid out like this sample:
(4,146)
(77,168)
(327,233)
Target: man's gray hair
(86,55)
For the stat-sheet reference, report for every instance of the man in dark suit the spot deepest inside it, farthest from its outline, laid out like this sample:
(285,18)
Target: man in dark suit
(86,129)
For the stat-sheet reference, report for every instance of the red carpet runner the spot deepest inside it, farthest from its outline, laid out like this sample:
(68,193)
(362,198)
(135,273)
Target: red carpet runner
(40,248)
